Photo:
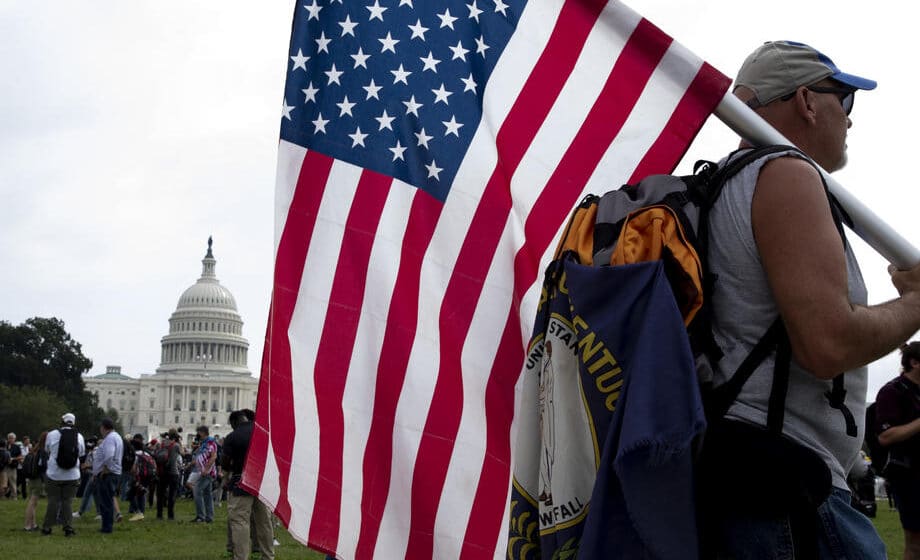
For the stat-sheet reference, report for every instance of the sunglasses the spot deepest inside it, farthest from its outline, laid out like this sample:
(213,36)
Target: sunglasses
(845,95)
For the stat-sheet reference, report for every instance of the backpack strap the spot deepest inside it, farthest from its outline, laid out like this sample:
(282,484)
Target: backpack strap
(709,189)
(721,397)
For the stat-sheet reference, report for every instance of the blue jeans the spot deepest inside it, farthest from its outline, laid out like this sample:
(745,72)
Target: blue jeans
(138,497)
(125,485)
(204,498)
(106,487)
(843,533)
(87,500)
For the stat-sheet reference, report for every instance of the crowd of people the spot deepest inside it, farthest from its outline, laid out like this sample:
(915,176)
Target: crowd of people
(103,470)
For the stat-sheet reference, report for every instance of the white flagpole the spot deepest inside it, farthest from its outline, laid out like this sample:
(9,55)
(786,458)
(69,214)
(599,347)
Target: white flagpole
(866,224)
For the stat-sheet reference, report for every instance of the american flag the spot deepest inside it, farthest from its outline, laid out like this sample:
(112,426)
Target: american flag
(430,154)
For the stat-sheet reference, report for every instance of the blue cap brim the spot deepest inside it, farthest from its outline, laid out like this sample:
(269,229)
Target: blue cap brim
(854,81)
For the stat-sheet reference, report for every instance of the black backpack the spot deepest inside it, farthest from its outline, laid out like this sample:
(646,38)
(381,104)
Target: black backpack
(35,464)
(68,452)
(127,456)
(878,453)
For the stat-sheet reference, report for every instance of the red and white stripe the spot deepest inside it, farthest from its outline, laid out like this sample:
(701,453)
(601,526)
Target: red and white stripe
(398,323)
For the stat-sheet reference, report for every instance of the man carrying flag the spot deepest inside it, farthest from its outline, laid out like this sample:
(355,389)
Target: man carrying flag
(779,256)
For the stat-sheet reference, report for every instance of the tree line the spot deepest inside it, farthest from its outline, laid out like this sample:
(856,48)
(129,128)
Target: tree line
(41,378)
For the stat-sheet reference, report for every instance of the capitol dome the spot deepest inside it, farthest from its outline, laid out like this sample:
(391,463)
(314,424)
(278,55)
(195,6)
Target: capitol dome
(207,292)
(205,331)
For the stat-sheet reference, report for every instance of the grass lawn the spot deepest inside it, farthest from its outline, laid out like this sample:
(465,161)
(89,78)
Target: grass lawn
(139,540)
(889,527)
(182,540)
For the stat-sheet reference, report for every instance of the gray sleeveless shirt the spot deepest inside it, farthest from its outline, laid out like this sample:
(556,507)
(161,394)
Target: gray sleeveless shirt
(743,309)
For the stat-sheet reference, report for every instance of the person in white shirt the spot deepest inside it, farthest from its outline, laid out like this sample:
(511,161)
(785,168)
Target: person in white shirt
(61,482)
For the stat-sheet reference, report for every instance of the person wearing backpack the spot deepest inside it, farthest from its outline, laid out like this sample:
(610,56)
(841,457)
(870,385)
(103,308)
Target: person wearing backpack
(897,417)
(143,470)
(166,457)
(783,274)
(64,446)
(33,470)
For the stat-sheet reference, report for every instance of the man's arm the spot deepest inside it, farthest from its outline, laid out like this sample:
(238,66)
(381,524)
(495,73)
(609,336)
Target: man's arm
(897,434)
(804,261)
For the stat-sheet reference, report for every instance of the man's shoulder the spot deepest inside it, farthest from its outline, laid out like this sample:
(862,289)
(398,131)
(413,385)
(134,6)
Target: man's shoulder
(896,385)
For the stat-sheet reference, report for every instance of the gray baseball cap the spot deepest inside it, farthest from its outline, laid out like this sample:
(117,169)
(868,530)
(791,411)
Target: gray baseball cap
(778,68)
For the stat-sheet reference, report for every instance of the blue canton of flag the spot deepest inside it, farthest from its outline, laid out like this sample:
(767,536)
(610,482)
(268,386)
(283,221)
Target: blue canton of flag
(395,88)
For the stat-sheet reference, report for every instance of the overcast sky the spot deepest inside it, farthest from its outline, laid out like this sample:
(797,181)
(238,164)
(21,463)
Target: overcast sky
(131,131)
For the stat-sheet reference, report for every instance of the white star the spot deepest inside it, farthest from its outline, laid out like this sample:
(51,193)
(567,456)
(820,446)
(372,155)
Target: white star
(314,10)
(389,43)
(481,46)
(357,139)
(320,124)
(406,3)
(441,94)
(398,151)
(300,61)
(376,11)
(459,51)
(418,30)
(286,110)
(501,7)
(412,106)
(333,75)
(360,58)
(430,62)
(385,120)
(322,44)
(345,106)
(474,11)
(433,170)
(372,90)
(400,75)
(348,26)
(310,93)
(423,138)
(469,83)
(453,127)
(446,19)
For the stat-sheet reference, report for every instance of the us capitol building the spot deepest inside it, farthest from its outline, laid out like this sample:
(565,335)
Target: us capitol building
(202,375)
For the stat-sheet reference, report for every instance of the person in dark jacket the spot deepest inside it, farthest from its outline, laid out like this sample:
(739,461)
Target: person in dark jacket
(243,509)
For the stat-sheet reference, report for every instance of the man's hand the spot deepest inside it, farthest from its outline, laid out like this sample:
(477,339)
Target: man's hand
(905,281)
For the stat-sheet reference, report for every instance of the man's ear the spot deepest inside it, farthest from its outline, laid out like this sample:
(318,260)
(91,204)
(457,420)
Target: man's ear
(805,104)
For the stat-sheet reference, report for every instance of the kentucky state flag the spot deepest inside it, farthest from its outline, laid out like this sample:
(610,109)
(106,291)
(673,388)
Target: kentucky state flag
(610,410)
